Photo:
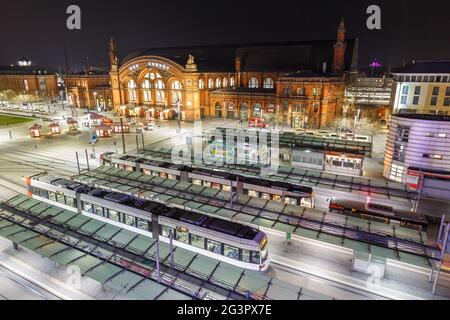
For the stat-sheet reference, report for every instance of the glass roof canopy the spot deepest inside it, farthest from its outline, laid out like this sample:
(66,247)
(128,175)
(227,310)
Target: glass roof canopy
(379,239)
(305,177)
(125,261)
(300,141)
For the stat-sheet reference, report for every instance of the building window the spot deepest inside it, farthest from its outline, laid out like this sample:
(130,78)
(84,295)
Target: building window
(442,135)
(446,101)
(416,100)
(25,84)
(435,91)
(225,82)
(232,82)
(253,83)
(433,101)
(417,90)
(176,92)
(403,133)
(301,91)
(210,83)
(201,84)
(268,83)
(131,90)
(218,83)
(432,156)
(396,172)
(430,134)
(160,94)
(146,86)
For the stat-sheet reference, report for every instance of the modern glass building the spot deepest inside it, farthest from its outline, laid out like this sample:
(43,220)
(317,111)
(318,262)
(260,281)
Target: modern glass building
(418,152)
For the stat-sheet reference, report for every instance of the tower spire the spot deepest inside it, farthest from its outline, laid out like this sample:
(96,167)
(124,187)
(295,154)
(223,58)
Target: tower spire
(339,49)
(113,53)
(341,32)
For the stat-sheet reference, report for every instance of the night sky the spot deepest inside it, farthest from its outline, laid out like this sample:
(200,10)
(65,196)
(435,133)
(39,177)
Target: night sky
(37,29)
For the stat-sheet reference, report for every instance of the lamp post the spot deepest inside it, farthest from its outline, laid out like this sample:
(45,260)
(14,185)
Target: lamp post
(179,115)
(95,99)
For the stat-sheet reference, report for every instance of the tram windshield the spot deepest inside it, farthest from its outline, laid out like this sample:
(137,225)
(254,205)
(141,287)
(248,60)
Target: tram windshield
(263,248)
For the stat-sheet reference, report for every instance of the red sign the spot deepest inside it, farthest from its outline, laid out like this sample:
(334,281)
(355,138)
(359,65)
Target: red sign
(134,267)
(412,179)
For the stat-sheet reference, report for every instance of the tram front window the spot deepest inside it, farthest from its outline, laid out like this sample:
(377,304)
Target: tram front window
(255,257)
(214,246)
(264,251)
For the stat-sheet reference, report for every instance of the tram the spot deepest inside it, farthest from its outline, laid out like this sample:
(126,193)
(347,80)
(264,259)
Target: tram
(223,240)
(255,187)
(378,212)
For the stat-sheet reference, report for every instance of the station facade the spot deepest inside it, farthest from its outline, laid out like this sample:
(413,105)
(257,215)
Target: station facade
(296,83)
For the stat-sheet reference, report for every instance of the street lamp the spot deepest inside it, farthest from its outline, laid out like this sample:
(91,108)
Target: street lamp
(179,115)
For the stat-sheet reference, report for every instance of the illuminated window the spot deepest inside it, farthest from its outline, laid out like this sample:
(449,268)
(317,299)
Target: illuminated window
(218,83)
(442,135)
(131,90)
(432,156)
(253,83)
(268,83)
(301,91)
(232,82)
(201,84)
(404,97)
(176,93)
(25,84)
(397,172)
(146,86)
(225,82)
(210,83)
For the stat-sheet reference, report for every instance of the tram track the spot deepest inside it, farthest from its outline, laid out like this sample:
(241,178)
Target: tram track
(27,285)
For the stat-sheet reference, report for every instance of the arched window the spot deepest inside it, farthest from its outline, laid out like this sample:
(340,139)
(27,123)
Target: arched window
(210,83)
(176,92)
(301,91)
(225,82)
(201,84)
(146,86)
(131,90)
(160,94)
(232,82)
(257,110)
(253,83)
(268,83)
(159,84)
(218,83)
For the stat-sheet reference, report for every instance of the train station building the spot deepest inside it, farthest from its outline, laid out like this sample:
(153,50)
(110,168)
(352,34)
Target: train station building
(295,83)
